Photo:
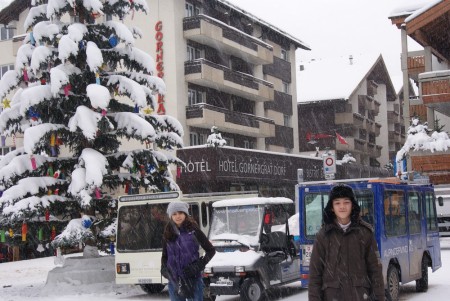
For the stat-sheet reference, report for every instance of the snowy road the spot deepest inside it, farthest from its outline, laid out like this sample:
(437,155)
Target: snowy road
(25,280)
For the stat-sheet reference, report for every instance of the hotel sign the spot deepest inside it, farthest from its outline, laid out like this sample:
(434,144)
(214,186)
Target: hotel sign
(239,164)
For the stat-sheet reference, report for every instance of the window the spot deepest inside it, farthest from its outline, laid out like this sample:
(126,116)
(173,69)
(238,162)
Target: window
(4,69)
(430,211)
(285,87)
(414,213)
(195,97)
(365,202)
(196,139)
(7,149)
(191,10)
(314,205)
(108,17)
(394,212)
(287,120)
(285,54)
(249,144)
(6,33)
(230,141)
(193,53)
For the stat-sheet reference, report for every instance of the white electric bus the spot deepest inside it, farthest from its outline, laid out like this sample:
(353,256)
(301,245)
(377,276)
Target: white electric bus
(140,226)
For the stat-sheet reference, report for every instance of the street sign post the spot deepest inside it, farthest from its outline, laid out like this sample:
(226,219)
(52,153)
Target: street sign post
(329,166)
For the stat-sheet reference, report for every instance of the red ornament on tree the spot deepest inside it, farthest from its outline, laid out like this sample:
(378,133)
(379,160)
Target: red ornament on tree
(53,235)
(24,231)
(47,215)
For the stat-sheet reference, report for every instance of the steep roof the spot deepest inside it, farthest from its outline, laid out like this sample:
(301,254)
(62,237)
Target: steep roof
(330,79)
(13,10)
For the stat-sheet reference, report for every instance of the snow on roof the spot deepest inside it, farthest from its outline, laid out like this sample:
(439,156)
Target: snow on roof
(422,9)
(252,201)
(332,78)
(408,7)
(264,23)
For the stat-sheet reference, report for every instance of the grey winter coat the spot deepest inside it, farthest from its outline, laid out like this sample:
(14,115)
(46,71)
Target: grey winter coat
(345,266)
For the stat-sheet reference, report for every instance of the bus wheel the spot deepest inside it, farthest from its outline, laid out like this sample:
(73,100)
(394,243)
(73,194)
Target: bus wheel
(393,283)
(251,290)
(152,288)
(422,283)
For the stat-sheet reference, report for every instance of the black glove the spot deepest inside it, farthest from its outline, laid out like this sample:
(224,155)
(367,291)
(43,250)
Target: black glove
(165,272)
(192,270)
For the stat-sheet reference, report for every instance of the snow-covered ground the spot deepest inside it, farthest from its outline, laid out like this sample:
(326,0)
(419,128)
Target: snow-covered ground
(26,280)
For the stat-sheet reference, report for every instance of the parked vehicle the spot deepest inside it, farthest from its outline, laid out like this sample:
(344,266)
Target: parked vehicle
(443,210)
(254,247)
(404,219)
(141,219)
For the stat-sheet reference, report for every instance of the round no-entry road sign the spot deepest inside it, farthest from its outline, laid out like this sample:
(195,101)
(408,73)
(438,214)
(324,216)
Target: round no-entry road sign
(329,164)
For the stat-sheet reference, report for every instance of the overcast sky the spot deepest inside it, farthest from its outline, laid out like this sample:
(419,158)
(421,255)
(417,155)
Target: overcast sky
(334,28)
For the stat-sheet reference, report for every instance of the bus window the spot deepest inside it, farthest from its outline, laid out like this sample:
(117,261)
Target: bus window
(365,201)
(194,211)
(141,227)
(394,212)
(314,205)
(414,212)
(430,212)
(204,215)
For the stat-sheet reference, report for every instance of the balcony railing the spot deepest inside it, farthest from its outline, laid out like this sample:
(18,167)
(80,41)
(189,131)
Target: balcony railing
(435,87)
(205,116)
(205,73)
(355,119)
(212,32)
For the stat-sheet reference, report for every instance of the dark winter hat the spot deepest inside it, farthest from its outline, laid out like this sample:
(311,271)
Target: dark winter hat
(177,206)
(340,191)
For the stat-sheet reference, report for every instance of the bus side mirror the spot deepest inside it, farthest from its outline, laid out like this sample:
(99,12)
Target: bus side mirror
(441,201)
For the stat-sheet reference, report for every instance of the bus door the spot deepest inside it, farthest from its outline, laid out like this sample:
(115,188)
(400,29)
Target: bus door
(394,242)
(416,243)
(432,231)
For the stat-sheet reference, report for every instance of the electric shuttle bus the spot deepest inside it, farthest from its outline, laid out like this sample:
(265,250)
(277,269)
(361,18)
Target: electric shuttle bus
(404,219)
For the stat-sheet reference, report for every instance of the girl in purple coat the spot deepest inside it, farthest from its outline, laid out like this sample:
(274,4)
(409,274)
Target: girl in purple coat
(180,261)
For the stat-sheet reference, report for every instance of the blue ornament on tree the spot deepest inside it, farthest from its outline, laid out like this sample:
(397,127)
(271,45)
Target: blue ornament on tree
(86,221)
(113,41)
(136,109)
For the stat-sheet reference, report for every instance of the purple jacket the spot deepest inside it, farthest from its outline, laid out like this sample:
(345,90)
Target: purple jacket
(181,252)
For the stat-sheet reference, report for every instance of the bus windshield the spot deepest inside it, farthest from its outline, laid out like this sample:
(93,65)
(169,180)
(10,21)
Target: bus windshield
(315,202)
(237,222)
(140,227)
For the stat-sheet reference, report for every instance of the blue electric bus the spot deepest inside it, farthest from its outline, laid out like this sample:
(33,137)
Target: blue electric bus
(403,216)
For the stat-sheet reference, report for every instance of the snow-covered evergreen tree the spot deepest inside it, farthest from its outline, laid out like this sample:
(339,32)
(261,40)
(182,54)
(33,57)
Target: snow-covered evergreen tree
(82,87)
(215,138)
(419,139)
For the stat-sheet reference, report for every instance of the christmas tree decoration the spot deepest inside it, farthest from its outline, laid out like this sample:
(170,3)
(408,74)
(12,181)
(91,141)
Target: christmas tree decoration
(33,162)
(11,233)
(86,221)
(25,75)
(2,235)
(67,89)
(24,231)
(64,90)
(32,40)
(98,195)
(148,110)
(40,234)
(113,41)
(6,103)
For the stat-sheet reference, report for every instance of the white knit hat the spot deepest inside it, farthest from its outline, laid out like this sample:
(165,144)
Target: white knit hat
(177,206)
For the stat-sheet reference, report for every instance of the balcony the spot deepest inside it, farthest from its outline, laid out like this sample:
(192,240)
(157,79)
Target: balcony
(392,116)
(205,116)
(434,89)
(416,63)
(17,41)
(218,77)
(377,128)
(354,119)
(209,31)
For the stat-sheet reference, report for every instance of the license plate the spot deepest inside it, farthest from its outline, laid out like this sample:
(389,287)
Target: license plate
(144,281)
(224,282)
(307,254)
